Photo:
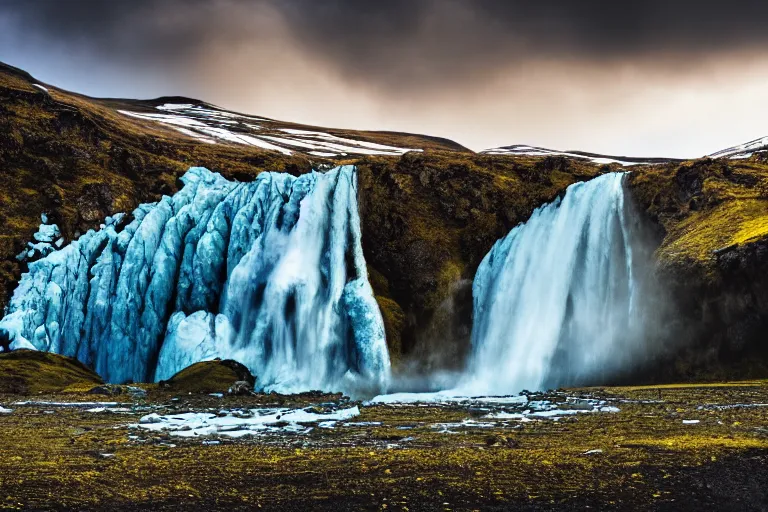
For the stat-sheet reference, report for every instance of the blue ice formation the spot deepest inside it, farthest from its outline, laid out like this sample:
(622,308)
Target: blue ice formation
(555,300)
(47,239)
(270,273)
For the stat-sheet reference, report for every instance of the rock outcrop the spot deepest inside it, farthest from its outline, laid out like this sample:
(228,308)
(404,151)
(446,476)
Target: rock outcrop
(712,222)
(215,376)
(32,372)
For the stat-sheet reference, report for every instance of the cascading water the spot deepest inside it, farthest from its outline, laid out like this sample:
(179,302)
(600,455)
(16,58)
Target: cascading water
(554,301)
(270,273)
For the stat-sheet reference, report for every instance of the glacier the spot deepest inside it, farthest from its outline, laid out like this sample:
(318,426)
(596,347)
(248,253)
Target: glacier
(555,302)
(270,273)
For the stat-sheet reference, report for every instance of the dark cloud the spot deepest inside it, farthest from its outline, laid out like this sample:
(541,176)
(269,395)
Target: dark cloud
(137,31)
(650,77)
(444,39)
(402,43)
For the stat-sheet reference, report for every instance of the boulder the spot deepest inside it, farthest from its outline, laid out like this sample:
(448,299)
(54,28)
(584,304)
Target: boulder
(209,377)
(136,392)
(240,388)
(499,440)
(106,389)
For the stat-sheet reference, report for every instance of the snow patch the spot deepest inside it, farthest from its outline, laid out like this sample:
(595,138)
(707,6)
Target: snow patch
(742,151)
(209,124)
(241,423)
(523,150)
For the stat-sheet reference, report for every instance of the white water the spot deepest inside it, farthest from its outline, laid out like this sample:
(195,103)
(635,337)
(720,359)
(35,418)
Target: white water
(554,299)
(270,273)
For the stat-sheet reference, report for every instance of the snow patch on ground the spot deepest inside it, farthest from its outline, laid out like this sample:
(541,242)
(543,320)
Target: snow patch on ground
(239,423)
(444,397)
(66,404)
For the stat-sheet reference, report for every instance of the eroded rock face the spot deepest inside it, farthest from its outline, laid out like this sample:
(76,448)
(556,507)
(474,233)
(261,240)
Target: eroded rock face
(428,220)
(713,260)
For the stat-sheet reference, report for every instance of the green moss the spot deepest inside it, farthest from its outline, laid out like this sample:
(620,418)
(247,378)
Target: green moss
(32,372)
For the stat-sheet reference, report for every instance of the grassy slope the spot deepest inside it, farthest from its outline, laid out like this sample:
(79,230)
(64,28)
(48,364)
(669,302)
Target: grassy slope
(29,372)
(209,377)
(705,206)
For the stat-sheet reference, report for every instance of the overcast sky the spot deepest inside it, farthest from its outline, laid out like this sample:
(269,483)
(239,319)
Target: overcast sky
(640,78)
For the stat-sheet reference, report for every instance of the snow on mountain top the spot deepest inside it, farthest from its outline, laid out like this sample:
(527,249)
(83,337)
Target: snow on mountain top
(745,150)
(209,124)
(212,125)
(524,150)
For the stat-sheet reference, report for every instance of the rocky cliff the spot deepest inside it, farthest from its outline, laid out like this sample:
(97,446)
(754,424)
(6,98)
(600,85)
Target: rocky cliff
(429,215)
(712,220)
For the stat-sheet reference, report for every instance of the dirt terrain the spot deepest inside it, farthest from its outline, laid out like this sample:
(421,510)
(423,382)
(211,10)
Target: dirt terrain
(687,447)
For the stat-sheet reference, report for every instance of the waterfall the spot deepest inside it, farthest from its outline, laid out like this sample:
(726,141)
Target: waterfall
(555,300)
(270,273)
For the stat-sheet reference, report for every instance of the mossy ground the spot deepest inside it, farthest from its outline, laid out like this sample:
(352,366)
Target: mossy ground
(650,460)
(32,372)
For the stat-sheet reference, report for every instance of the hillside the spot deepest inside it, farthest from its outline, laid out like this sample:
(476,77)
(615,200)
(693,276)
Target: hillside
(431,209)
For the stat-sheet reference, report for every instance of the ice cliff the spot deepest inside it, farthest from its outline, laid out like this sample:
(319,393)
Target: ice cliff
(270,273)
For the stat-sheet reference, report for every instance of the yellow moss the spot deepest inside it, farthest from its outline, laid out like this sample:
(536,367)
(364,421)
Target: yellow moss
(209,377)
(732,222)
(704,441)
(28,371)
(689,385)
(752,229)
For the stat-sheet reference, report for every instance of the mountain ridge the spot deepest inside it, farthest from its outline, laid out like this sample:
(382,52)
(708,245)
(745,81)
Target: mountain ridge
(398,140)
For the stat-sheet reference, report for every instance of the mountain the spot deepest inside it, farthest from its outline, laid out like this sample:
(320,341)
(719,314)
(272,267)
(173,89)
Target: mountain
(528,151)
(430,210)
(213,125)
(746,150)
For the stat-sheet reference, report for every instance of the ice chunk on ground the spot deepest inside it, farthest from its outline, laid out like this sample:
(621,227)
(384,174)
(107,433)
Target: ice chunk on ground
(236,425)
